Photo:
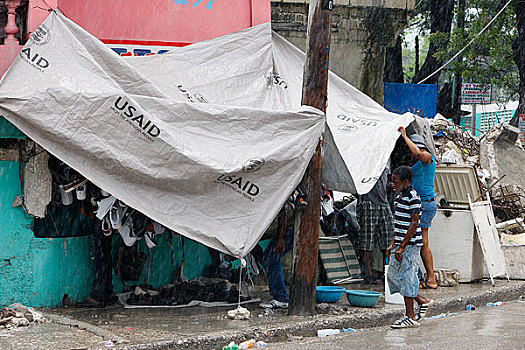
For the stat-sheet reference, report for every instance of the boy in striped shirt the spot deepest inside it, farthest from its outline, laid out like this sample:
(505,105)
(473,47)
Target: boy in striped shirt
(404,260)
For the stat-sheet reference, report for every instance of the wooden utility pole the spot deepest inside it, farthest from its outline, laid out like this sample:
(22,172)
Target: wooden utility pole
(306,240)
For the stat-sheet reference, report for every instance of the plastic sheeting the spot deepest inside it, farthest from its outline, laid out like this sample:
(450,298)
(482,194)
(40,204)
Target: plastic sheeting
(161,133)
(216,174)
(257,68)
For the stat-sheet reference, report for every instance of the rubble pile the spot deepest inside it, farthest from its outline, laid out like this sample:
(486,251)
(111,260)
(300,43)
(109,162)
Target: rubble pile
(455,145)
(18,315)
(509,205)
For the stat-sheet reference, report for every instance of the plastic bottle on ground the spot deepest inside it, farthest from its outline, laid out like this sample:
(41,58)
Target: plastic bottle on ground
(497,303)
(327,332)
(349,330)
(261,344)
(248,344)
(231,346)
(470,307)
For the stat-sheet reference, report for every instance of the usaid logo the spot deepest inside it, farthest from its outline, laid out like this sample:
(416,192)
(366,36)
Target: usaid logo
(358,120)
(41,36)
(348,128)
(242,187)
(34,59)
(253,165)
(133,116)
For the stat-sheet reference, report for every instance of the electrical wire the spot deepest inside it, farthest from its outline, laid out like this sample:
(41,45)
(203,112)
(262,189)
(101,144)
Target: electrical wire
(466,46)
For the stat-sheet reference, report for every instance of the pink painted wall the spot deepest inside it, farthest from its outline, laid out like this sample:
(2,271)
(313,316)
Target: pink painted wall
(159,22)
(38,12)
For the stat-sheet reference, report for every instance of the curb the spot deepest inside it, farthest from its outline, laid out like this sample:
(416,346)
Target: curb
(67,321)
(374,318)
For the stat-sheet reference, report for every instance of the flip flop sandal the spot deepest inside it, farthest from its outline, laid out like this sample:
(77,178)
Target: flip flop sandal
(114,217)
(106,227)
(424,285)
(148,236)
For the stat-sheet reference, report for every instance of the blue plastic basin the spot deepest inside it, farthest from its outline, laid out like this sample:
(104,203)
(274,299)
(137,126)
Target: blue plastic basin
(363,298)
(328,294)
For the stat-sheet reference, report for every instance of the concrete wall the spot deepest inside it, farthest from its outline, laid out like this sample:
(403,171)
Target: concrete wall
(36,272)
(361,31)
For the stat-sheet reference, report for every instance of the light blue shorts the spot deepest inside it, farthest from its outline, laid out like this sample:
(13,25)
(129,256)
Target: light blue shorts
(428,211)
(402,275)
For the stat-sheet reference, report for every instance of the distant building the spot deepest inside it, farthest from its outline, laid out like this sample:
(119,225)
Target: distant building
(489,115)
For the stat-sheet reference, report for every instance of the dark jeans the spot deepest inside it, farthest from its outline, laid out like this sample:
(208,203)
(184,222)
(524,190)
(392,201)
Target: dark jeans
(274,270)
(102,288)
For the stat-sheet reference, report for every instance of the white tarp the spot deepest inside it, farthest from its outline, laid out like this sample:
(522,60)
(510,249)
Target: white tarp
(214,173)
(257,68)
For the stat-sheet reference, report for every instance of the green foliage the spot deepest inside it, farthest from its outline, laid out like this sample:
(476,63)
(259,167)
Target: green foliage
(409,54)
(489,59)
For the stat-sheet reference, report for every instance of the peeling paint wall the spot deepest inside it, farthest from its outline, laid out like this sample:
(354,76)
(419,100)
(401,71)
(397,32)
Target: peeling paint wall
(36,271)
(361,31)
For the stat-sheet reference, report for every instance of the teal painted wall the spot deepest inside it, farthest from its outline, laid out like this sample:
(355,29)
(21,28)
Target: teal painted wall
(38,272)
(8,130)
(463,121)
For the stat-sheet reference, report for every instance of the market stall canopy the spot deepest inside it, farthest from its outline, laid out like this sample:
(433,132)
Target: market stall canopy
(257,68)
(216,174)
(205,139)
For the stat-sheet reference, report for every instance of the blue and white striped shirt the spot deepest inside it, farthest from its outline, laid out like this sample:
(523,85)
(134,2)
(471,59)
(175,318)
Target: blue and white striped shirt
(406,204)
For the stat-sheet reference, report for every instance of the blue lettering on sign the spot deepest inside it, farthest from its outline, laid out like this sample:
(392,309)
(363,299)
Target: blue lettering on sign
(195,4)
(119,50)
(141,52)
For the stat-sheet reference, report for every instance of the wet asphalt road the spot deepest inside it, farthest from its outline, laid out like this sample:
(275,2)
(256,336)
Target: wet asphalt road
(501,327)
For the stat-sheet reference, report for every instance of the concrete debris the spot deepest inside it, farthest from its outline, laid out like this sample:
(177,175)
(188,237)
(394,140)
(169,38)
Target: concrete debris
(447,277)
(239,313)
(498,158)
(325,308)
(514,253)
(18,315)
(449,136)
(509,205)
(38,187)
(512,239)
(510,224)
(451,157)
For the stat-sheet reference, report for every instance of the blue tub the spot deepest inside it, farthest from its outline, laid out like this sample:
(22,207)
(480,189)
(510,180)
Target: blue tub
(363,298)
(328,294)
